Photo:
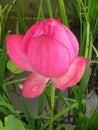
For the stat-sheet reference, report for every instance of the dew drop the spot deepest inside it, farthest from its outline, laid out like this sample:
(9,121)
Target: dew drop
(35,88)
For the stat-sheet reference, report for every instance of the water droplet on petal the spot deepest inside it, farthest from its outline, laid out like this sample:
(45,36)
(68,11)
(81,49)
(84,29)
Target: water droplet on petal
(35,88)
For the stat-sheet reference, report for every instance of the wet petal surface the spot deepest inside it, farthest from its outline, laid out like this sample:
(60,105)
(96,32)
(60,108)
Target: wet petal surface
(34,85)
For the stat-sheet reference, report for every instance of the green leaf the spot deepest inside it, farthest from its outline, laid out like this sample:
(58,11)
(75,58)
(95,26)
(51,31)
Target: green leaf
(63,12)
(1,126)
(12,123)
(13,68)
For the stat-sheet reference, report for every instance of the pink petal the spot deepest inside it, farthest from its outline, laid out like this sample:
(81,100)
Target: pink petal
(55,30)
(15,52)
(73,75)
(34,85)
(48,57)
(35,30)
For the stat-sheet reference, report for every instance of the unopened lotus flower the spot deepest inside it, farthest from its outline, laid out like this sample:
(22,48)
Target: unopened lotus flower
(50,51)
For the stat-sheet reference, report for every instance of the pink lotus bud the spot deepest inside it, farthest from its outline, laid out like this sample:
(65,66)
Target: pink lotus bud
(50,51)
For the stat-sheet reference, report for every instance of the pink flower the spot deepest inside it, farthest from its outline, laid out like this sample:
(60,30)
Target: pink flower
(50,51)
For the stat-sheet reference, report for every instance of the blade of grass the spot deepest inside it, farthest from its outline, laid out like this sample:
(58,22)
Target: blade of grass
(83,84)
(40,11)
(86,40)
(60,95)
(75,91)
(8,10)
(48,93)
(63,12)
(62,112)
(30,119)
(4,110)
(93,17)
(96,51)
(49,8)
(14,81)
(4,102)
(2,65)
(64,126)
(17,27)
(74,8)
(40,110)
(88,54)
(52,106)
(21,20)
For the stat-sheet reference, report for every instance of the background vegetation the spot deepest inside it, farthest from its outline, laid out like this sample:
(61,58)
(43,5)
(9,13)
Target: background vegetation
(81,16)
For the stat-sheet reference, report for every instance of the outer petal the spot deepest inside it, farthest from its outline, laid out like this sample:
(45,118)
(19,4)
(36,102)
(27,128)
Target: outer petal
(34,85)
(73,75)
(55,30)
(35,30)
(15,52)
(48,57)
(63,34)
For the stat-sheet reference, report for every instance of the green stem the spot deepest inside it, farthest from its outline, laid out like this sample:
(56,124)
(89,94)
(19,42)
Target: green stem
(49,8)
(62,112)
(39,11)
(87,40)
(63,12)
(52,106)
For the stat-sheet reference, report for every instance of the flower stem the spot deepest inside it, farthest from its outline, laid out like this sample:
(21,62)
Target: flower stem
(52,106)
(62,112)
(87,40)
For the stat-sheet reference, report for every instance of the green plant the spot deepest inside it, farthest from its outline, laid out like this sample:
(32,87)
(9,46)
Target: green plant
(81,15)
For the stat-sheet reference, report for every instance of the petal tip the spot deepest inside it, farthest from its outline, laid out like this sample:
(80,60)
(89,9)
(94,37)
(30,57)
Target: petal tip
(73,75)
(34,85)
